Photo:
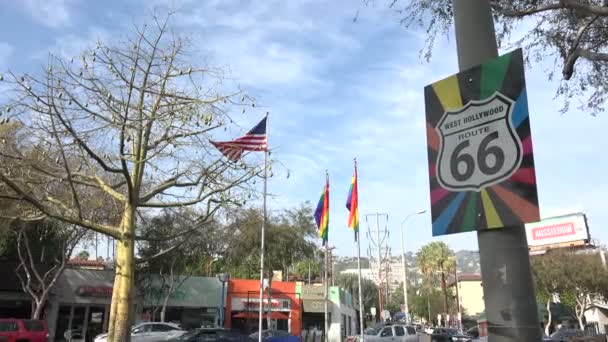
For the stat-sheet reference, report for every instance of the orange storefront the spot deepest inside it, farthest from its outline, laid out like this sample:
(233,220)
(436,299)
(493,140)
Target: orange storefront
(243,304)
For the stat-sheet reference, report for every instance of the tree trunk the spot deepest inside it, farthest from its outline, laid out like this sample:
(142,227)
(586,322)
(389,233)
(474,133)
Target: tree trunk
(548,325)
(580,322)
(581,304)
(122,293)
(166,300)
(164,309)
(445,293)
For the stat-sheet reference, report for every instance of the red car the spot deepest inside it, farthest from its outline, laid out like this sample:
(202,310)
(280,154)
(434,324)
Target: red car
(23,330)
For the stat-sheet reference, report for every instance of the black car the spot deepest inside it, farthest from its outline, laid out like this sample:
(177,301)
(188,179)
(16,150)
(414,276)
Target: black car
(473,332)
(212,335)
(449,335)
(564,335)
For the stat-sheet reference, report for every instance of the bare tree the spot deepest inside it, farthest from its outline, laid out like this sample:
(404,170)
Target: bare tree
(38,277)
(127,128)
(572,34)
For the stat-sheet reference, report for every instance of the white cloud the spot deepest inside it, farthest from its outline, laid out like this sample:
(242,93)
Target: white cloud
(51,13)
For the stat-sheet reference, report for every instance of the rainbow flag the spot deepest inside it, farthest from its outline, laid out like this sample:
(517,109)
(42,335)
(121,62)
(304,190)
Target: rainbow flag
(352,204)
(322,213)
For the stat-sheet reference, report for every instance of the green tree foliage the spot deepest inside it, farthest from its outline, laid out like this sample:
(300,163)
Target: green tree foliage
(158,278)
(577,278)
(83,255)
(417,300)
(290,237)
(572,35)
(304,268)
(436,261)
(369,289)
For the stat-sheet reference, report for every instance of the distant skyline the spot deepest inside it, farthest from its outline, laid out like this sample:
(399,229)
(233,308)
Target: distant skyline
(335,89)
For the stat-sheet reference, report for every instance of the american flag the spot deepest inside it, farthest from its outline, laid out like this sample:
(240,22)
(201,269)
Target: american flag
(254,140)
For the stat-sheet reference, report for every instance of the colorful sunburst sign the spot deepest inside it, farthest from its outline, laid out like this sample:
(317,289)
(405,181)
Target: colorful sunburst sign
(481,165)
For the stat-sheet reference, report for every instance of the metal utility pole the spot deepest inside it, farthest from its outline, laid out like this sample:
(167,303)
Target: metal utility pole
(505,263)
(459,317)
(406,308)
(378,240)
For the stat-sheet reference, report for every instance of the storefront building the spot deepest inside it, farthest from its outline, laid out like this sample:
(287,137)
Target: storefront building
(80,303)
(243,304)
(341,311)
(195,303)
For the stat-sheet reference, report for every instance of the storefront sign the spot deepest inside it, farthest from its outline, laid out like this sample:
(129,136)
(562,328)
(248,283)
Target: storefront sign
(311,305)
(94,291)
(253,304)
(312,292)
(481,164)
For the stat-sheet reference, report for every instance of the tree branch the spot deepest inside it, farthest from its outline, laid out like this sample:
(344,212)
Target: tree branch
(568,69)
(104,229)
(560,4)
(522,13)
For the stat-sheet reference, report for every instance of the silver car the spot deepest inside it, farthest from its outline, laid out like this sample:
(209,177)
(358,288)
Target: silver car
(390,333)
(150,332)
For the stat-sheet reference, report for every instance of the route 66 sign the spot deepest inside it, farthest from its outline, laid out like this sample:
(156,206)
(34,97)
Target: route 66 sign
(479,146)
(481,164)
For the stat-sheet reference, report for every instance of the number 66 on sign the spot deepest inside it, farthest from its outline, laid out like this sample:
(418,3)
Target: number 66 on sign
(481,165)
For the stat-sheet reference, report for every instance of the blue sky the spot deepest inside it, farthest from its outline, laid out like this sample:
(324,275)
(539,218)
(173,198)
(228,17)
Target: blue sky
(336,89)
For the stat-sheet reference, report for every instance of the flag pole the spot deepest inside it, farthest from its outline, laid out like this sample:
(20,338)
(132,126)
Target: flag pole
(261,308)
(325,294)
(361,308)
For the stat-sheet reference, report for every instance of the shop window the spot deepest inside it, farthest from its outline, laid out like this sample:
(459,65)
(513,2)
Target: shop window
(95,321)
(63,321)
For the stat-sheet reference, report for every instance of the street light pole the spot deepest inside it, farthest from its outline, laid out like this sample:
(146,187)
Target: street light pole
(223,278)
(405,304)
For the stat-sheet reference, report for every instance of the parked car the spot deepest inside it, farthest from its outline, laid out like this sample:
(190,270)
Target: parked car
(267,334)
(473,332)
(386,333)
(31,330)
(212,335)
(564,335)
(150,332)
(449,335)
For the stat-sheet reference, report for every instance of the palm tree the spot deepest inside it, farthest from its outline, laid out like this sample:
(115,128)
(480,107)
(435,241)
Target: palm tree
(436,258)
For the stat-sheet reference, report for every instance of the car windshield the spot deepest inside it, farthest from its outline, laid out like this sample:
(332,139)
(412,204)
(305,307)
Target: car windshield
(566,333)
(372,331)
(33,325)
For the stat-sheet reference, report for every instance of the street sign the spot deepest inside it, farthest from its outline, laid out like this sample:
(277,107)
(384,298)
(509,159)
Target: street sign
(481,165)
